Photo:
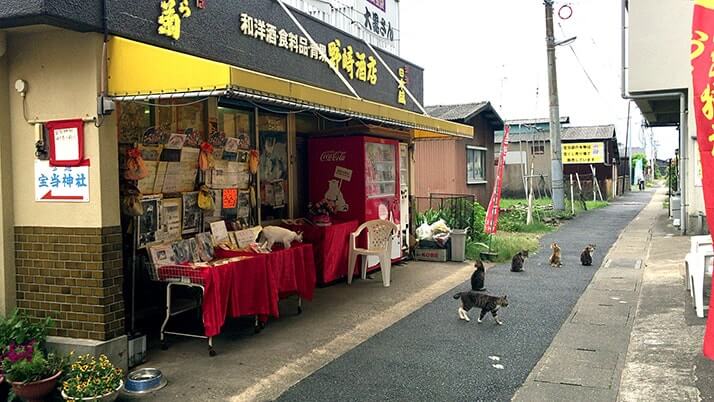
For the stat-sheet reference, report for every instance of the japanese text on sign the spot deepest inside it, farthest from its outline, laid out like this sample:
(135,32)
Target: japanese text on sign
(402,90)
(378,25)
(356,65)
(583,152)
(170,20)
(61,184)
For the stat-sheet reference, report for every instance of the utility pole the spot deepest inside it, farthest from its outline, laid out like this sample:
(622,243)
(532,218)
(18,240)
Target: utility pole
(556,164)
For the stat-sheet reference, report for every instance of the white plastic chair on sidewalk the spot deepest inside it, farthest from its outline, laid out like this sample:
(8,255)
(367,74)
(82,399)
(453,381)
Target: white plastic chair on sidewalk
(379,243)
(695,243)
(698,263)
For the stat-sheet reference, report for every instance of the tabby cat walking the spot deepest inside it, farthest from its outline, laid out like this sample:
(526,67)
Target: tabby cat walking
(487,304)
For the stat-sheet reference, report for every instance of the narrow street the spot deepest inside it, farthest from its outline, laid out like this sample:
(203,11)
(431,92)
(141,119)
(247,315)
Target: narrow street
(432,355)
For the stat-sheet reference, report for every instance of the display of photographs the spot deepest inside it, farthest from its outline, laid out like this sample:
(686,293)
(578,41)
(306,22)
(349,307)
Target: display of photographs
(231,145)
(243,204)
(169,219)
(149,222)
(278,193)
(162,255)
(175,141)
(150,152)
(243,141)
(204,243)
(182,251)
(242,156)
(191,213)
(153,136)
(193,138)
(220,232)
(133,120)
(193,249)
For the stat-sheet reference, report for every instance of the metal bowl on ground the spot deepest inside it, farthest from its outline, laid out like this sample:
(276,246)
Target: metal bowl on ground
(144,381)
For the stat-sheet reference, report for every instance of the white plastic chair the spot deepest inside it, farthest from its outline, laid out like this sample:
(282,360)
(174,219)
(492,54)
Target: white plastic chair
(698,264)
(696,242)
(379,243)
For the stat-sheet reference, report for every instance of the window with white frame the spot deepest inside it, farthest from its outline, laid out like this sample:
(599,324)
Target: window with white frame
(475,165)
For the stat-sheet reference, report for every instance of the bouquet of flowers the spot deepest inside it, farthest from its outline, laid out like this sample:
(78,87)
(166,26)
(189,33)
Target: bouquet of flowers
(90,377)
(321,208)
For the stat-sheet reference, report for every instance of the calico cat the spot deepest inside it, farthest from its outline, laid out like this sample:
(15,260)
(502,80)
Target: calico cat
(478,277)
(518,260)
(486,303)
(555,255)
(586,257)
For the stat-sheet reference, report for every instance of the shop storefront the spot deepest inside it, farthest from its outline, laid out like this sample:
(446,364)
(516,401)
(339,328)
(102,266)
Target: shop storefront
(233,102)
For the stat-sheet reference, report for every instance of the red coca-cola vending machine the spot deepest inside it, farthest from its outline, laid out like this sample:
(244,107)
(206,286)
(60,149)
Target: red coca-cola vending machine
(360,175)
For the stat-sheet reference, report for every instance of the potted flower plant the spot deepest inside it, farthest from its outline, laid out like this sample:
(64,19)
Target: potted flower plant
(321,211)
(22,337)
(92,379)
(32,374)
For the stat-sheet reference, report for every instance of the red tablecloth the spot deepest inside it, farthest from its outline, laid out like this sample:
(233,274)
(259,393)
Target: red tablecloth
(331,247)
(253,286)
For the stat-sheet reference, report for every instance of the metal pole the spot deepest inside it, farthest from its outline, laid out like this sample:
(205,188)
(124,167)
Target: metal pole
(572,196)
(556,165)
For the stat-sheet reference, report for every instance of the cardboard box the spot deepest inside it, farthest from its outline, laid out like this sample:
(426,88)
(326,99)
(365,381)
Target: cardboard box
(430,254)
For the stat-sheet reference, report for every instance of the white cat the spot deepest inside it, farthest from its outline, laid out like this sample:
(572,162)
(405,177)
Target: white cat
(276,234)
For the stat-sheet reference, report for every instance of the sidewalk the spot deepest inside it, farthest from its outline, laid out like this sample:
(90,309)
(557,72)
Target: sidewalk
(632,336)
(431,355)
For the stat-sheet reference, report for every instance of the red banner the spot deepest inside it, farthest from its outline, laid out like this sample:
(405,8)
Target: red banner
(494,205)
(702,58)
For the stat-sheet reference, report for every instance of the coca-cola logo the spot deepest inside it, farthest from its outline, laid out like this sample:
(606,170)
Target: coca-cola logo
(333,156)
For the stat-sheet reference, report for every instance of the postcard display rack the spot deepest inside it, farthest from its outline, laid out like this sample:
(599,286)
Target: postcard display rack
(172,239)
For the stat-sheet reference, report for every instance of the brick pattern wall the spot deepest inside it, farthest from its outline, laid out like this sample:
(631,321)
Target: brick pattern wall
(73,275)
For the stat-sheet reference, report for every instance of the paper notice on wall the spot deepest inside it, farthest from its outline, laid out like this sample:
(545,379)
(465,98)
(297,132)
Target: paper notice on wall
(230,198)
(160,177)
(146,185)
(225,174)
(61,184)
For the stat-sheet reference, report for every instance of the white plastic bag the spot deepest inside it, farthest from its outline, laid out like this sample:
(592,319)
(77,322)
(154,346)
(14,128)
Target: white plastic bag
(439,227)
(423,232)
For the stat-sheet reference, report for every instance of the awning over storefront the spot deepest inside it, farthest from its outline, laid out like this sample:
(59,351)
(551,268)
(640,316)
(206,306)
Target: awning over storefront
(141,71)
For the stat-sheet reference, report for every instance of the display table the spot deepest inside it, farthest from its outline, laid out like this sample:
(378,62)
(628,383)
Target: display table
(253,286)
(330,246)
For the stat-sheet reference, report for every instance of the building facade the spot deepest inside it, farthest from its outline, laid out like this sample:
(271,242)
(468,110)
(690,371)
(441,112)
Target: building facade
(458,166)
(657,76)
(127,82)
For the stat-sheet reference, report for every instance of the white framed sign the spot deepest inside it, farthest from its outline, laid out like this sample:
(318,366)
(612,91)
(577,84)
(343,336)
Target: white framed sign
(61,184)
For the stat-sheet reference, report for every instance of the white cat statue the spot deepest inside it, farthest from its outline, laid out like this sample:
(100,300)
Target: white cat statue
(335,195)
(276,234)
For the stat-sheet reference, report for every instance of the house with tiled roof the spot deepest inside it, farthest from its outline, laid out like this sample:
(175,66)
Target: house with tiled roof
(450,165)
(582,147)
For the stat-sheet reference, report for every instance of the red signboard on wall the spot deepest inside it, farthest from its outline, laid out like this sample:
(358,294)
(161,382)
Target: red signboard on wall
(702,57)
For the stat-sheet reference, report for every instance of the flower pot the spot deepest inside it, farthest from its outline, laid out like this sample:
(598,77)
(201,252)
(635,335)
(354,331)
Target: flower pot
(322,220)
(108,397)
(35,391)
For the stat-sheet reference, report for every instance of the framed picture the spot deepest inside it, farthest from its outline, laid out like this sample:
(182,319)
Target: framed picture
(149,222)
(169,219)
(191,213)
(175,141)
(204,246)
(162,255)
(193,249)
(243,204)
(182,251)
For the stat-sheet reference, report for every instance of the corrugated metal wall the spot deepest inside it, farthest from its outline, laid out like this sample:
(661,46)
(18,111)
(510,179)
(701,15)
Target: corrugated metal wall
(434,167)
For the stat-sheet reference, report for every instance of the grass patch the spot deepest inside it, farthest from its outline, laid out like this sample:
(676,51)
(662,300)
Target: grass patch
(506,244)
(513,233)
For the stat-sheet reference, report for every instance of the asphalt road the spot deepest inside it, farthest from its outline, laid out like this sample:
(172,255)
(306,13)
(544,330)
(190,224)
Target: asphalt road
(431,355)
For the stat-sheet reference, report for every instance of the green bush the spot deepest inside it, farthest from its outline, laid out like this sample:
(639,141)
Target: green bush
(458,214)
(18,329)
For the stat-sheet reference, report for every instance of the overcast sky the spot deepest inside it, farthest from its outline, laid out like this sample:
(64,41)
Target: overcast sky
(494,50)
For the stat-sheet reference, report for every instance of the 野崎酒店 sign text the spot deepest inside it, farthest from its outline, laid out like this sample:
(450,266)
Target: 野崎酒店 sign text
(218,32)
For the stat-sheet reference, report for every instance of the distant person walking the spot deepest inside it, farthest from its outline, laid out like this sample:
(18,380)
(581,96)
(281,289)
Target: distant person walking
(641,184)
